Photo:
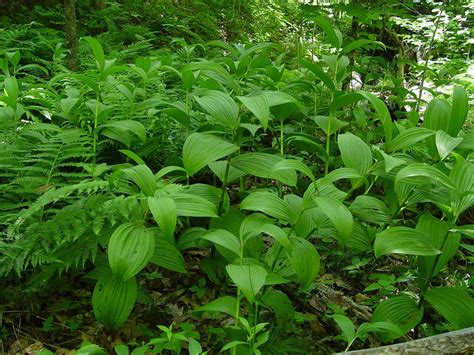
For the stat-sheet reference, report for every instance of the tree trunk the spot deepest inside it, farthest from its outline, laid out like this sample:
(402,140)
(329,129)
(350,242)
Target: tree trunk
(459,341)
(71,37)
(98,4)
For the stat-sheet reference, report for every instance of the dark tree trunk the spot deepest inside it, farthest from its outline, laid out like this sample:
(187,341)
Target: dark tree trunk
(71,37)
(98,4)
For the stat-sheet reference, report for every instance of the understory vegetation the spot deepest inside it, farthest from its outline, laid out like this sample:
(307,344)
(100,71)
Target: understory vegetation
(234,176)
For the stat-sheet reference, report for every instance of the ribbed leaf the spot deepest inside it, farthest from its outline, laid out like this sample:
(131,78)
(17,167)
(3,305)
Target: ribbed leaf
(201,149)
(261,165)
(408,137)
(193,206)
(259,106)
(437,115)
(113,300)
(293,164)
(304,260)
(143,177)
(248,278)
(333,35)
(403,240)
(267,203)
(341,173)
(168,256)
(122,130)
(445,144)
(225,239)
(339,215)
(358,44)
(355,153)
(219,169)
(225,304)
(453,304)
(346,326)
(462,176)
(422,174)
(130,249)
(221,107)
(370,209)
(329,125)
(436,232)
(163,210)
(459,110)
(402,311)
(319,72)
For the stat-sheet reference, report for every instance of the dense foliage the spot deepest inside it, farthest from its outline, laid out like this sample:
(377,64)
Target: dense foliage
(235,176)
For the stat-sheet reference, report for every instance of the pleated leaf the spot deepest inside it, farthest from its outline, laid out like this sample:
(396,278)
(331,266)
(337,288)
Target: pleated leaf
(221,107)
(293,164)
(402,311)
(267,203)
(459,110)
(403,240)
(219,169)
(339,215)
(113,300)
(248,278)
(168,256)
(453,304)
(225,239)
(201,149)
(422,174)
(259,106)
(445,144)
(408,137)
(164,212)
(462,176)
(225,304)
(370,209)
(305,261)
(143,177)
(261,165)
(193,206)
(355,153)
(130,249)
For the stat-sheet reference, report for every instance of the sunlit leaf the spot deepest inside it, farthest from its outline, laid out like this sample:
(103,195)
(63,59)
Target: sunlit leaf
(453,304)
(403,240)
(248,278)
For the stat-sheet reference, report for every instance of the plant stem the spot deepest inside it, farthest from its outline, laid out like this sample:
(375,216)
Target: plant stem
(224,184)
(282,151)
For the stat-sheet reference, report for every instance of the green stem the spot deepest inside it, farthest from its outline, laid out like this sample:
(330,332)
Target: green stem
(282,151)
(224,184)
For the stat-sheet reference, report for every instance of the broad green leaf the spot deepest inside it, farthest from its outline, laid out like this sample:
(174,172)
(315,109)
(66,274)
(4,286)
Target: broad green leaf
(189,205)
(293,164)
(365,328)
(131,155)
(339,215)
(437,115)
(219,169)
(422,174)
(279,235)
(97,51)
(445,144)
(113,300)
(225,239)
(459,110)
(436,232)
(333,35)
(168,256)
(225,304)
(277,98)
(453,304)
(194,347)
(253,225)
(462,176)
(163,210)
(201,149)
(370,209)
(248,278)
(281,305)
(142,176)
(360,43)
(221,107)
(168,169)
(304,260)
(121,131)
(267,203)
(261,165)
(130,248)
(341,173)
(355,153)
(403,240)
(346,325)
(408,137)
(329,125)
(361,239)
(403,311)
(259,106)
(319,72)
